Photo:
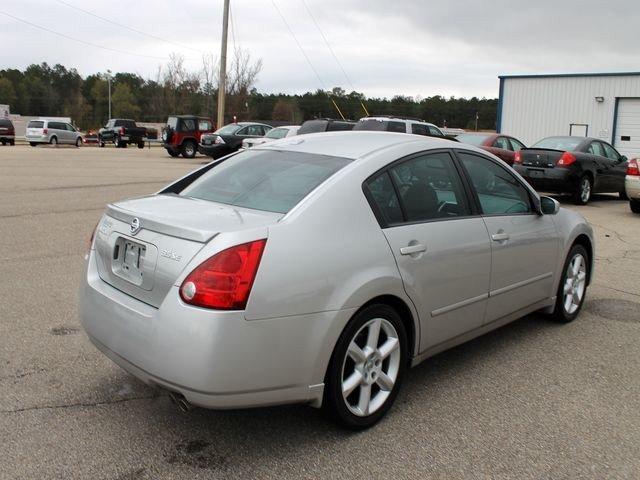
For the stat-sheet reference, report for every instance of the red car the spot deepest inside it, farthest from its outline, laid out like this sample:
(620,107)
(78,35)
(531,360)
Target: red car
(7,132)
(502,146)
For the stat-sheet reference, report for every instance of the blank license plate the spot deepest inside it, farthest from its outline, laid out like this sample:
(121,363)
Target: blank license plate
(536,173)
(132,256)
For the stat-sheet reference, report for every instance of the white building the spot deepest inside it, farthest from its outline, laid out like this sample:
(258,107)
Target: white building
(600,105)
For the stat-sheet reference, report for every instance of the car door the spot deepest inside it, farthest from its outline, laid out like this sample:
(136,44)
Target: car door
(502,149)
(524,245)
(617,170)
(442,250)
(71,133)
(600,166)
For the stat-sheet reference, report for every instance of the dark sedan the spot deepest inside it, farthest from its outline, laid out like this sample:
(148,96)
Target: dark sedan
(229,138)
(502,146)
(579,166)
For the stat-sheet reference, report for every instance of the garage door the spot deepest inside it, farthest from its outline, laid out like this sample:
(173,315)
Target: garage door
(627,140)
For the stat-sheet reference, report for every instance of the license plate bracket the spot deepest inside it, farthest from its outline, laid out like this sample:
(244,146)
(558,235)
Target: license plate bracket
(535,173)
(129,259)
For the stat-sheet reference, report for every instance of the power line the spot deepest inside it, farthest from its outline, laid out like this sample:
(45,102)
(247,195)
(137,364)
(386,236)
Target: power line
(335,57)
(139,32)
(304,54)
(68,37)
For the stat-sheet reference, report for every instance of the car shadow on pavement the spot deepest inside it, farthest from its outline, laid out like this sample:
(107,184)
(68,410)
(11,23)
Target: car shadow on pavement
(212,439)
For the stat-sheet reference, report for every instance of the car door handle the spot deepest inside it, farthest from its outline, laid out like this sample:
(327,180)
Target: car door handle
(500,237)
(413,249)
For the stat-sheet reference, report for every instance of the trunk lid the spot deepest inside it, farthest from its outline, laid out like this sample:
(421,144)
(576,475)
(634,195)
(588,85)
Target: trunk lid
(540,157)
(143,245)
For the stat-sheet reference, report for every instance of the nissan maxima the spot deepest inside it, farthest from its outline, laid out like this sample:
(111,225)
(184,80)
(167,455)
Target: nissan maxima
(317,269)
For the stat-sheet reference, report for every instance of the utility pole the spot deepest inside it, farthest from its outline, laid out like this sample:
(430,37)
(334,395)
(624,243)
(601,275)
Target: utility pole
(223,66)
(109,80)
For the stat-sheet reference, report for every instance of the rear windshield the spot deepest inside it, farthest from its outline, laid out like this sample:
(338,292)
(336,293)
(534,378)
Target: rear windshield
(313,126)
(35,124)
(277,133)
(472,139)
(6,123)
(172,122)
(270,180)
(559,143)
(126,123)
(228,129)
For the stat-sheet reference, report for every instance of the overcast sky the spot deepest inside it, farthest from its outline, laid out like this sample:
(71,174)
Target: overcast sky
(387,47)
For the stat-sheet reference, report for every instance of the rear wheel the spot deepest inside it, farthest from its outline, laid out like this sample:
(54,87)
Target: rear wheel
(634,205)
(188,149)
(12,142)
(585,186)
(366,368)
(140,144)
(33,144)
(573,285)
(78,142)
(4,142)
(173,153)
(623,194)
(54,141)
(116,141)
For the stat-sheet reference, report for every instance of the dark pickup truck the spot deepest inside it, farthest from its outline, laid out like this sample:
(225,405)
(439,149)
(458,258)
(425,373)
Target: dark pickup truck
(122,132)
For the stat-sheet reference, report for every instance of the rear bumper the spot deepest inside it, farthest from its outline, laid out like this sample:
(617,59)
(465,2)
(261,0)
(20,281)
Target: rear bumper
(37,139)
(559,180)
(632,187)
(7,137)
(215,359)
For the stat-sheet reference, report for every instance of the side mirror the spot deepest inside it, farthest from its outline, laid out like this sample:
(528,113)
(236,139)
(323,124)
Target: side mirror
(549,206)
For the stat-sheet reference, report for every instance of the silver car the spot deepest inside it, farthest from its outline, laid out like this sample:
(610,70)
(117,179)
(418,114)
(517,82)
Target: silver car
(273,134)
(317,269)
(54,132)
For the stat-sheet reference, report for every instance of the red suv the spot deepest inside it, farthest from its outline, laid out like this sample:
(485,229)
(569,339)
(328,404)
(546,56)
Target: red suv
(182,134)
(7,132)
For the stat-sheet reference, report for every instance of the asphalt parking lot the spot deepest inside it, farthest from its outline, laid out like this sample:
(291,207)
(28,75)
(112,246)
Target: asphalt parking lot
(531,400)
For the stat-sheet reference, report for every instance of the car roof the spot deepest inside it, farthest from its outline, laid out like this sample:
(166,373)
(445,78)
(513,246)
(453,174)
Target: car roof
(353,145)
(396,118)
(244,124)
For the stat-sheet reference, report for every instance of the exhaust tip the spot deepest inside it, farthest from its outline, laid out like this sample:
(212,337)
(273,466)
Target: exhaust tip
(181,402)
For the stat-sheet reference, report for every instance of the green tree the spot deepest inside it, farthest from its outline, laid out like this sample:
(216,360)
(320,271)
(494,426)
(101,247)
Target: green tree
(7,92)
(123,102)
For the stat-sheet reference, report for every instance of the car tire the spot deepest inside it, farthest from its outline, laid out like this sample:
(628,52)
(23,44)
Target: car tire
(33,144)
(368,369)
(140,145)
(78,142)
(634,205)
(572,289)
(173,153)
(188,149)
(12,142)
(54,141)
(4,142)
(623,194)
(585,188)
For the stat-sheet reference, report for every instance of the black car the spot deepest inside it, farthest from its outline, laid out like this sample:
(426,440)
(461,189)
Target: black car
(580,166)
(325,125)
(229,138)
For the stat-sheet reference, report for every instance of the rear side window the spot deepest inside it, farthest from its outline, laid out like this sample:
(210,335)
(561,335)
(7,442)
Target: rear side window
(596,149)
(398,127)
(499,192)
(385,200)
(56,126)
(35,124)
(609,152)
(188,125)
(266,180)
(503,143)
(339,126)
(516,145)
(172,122)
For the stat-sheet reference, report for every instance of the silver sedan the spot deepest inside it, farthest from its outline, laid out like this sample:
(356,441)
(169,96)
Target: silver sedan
(317,269)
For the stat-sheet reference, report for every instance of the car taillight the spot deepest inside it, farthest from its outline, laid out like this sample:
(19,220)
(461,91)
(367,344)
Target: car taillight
(566,159)
(633,168)
(45,131)
(224,281)
(121,130)
(517,158)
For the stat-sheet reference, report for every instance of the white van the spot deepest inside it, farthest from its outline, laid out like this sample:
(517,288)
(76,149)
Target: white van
(44,130)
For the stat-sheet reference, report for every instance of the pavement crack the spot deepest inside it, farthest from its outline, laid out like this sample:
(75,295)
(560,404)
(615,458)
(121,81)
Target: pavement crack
(618,290)
(80,404)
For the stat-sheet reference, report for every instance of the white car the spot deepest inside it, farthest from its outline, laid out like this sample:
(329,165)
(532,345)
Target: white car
(317,269)
(390,123)
(275,134)
(632,184)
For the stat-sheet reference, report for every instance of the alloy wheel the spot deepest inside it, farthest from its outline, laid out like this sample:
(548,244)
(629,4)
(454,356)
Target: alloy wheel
(585,190)
(575,283)
(370,367)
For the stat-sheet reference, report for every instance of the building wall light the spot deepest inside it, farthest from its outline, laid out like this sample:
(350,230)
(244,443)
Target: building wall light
(599,99)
